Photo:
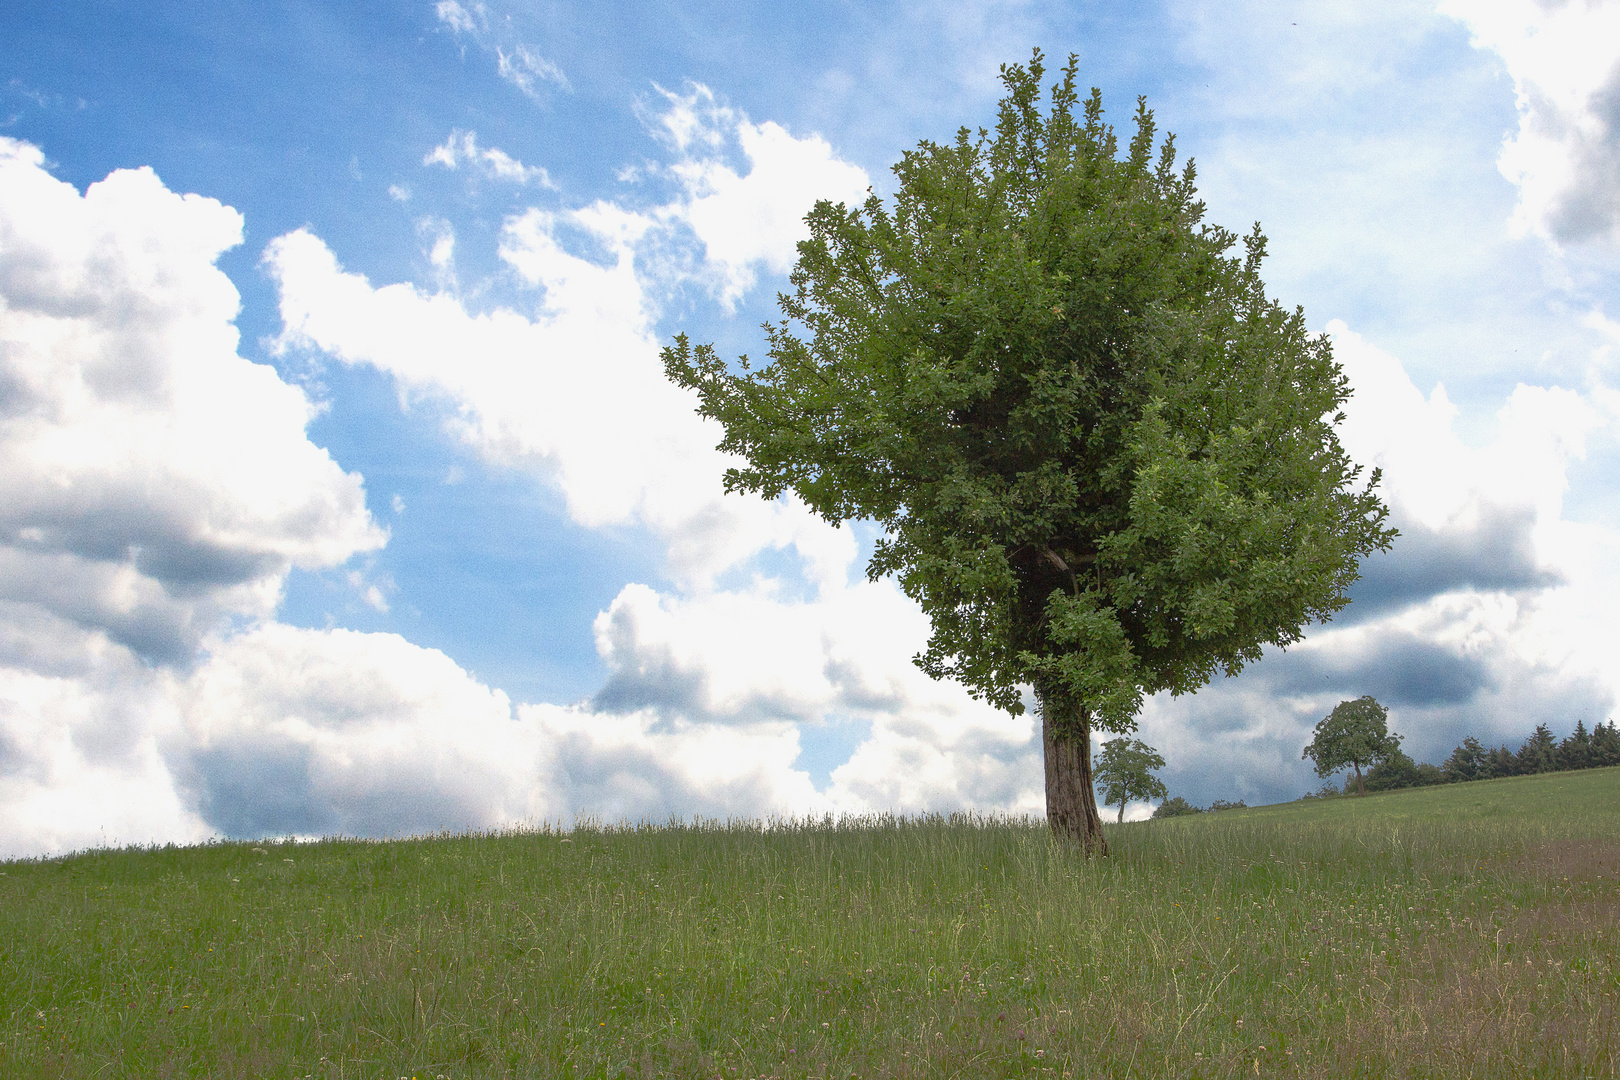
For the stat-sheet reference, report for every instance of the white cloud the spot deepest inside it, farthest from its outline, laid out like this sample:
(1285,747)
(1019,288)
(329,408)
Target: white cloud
(333,731)
(616,438)
(81,754)
(1565,157)
(754,218)
(460,19)
(711,691)
(155,487)
(462,148)
(152,481)
(515,61)
(747,657)
(1429,471)
(439,238)
(1492,613)
(523,66)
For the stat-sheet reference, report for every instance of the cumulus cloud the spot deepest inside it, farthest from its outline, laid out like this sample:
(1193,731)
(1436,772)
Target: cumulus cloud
(615,437)
(1565,156)
(718,699)
(620,443)
(1489,615)
(462,148)
(296,731)
(293,731)
(152,482)
(81,750)
(755,218)
(1495,551)
(155,488)
(746,657)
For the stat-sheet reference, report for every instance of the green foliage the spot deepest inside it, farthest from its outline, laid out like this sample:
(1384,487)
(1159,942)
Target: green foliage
(1581,749)
(1539,753)
(1222,804)
(1501,763)
(1605,745)
(1124,771)
(1104,460)
(1327,791)
(1175,806)
(1575,752)
(1353,736)
(1397,770)
(1470,761)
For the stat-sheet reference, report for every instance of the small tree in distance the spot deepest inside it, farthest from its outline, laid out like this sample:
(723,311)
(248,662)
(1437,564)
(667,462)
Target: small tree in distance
(1176,807)
(1353,735)
(1125,772)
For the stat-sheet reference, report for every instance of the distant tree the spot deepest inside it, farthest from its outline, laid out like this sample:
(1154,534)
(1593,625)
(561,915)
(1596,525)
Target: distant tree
(1499,763)
(1575,752)
(1353,735)
(1467,762)
(1103,459)
(1125,772)
(1400,771)
(1221,804)
(1539,753)
(1396,770)
(1176,806)
(1605,745)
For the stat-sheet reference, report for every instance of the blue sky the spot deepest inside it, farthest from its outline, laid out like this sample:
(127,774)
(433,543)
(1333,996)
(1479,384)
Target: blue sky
(343,492)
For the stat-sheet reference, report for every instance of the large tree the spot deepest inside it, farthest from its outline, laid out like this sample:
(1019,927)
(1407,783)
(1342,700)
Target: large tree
(1355,735)
(1103,459)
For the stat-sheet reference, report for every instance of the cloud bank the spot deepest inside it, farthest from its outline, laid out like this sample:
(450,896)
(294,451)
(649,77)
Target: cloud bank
(156,489)
(1565,156)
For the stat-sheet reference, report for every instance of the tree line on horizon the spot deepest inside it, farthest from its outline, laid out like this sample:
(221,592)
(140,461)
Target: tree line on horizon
(1471,760)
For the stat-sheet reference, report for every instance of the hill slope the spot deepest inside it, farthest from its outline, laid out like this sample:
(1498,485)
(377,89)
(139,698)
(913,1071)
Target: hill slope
(1464,931)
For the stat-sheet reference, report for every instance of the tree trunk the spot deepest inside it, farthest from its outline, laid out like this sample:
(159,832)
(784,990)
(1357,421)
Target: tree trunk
(1071,803)
(1361,787)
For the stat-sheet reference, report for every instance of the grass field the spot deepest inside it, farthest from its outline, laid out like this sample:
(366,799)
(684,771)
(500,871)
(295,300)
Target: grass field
(1467,930)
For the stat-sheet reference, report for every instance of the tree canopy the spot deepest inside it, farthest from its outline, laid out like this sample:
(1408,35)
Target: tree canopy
(1103,460)
(1354,735)
(1125,772)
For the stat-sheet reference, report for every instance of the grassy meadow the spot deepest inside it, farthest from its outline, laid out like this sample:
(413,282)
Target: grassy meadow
(1468,930)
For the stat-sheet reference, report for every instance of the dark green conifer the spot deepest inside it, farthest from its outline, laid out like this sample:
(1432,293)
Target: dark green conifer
(1468,762)
(1539,753)
(1605,745)
(1575,752)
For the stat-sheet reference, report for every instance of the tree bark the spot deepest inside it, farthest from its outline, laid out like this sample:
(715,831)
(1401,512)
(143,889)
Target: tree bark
(1361,786)
(1071,802)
